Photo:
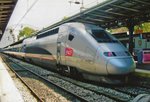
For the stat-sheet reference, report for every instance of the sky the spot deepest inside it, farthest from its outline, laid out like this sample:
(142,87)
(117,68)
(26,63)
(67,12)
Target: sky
(43,13)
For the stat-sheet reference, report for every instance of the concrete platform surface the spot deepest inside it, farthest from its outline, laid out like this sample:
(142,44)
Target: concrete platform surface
(8,91)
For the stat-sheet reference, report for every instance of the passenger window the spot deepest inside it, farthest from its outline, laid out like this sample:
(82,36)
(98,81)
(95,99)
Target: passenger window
(70,37)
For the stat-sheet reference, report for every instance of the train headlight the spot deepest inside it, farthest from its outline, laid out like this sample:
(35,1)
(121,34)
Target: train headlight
(109,54)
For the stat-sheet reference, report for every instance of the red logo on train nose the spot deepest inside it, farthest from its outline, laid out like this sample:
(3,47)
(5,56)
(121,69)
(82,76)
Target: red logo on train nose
(68,51)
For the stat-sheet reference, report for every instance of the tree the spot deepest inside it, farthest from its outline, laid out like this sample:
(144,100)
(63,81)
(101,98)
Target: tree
(64,18)
(145,27)
(26,32)
(138,29)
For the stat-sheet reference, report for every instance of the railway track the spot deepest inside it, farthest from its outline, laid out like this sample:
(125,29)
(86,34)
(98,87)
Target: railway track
(24,71)
(107,92)
(18,76)
(118,94)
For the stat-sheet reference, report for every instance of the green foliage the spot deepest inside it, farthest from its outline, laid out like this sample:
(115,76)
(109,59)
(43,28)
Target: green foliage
(118,30)
(142,28)
(26,32)
(145,27)
(65,17)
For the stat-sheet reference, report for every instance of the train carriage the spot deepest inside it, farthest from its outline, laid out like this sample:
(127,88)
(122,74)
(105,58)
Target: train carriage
(77,48)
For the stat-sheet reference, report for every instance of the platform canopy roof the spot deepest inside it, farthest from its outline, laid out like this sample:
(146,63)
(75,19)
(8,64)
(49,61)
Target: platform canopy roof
(6,9)
(113,14)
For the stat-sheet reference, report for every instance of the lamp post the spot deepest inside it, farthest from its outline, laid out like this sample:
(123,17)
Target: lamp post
(77,2)
(82,5)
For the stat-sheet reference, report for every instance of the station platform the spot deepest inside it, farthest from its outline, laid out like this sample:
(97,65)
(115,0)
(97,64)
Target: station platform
(143,69)
(8,91)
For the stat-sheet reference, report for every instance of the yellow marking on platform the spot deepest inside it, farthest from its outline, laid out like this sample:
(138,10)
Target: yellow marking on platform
(143,73)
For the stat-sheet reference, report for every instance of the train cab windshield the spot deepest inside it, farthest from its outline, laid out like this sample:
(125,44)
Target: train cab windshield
(102,36)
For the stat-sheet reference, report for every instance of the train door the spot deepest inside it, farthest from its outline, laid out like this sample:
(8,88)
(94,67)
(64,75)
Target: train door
(73,48)
(69,51)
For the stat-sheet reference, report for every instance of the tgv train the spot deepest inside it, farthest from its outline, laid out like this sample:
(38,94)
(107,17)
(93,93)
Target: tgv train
(78,49)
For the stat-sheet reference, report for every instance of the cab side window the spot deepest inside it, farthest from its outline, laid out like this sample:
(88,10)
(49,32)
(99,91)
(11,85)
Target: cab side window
(70,37)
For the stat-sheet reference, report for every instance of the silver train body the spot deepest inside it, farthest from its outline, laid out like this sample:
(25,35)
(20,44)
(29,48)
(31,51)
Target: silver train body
(77,48)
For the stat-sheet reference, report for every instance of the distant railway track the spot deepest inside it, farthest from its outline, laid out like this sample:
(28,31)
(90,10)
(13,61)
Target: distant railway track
(119,94)
(144,82)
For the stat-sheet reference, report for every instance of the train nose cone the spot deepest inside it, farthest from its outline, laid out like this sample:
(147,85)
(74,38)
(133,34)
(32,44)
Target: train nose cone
(120,66)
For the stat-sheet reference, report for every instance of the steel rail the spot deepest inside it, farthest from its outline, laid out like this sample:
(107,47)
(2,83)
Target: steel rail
(48,81)
(18,76)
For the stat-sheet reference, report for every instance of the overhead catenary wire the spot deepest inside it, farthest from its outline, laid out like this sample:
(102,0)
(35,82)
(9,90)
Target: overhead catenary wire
(26,13)
(28,10)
